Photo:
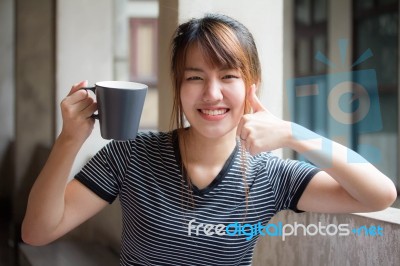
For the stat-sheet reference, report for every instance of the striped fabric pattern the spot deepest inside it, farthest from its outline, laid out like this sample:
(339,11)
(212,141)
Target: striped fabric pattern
(167,223)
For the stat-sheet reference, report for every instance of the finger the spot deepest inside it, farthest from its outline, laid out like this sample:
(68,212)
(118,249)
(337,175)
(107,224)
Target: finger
(78,86)
(241,131)
(255,103)
(82,105)
(89,111)
(76,97)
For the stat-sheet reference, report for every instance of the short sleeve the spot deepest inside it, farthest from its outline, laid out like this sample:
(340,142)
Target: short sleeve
(104,173)
(289,179)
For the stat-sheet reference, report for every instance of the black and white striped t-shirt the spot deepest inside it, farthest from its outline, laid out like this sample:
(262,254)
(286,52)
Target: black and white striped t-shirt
(163,224)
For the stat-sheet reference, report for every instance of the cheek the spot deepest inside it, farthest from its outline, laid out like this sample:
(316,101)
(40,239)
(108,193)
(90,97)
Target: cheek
(186,98)
(238,99)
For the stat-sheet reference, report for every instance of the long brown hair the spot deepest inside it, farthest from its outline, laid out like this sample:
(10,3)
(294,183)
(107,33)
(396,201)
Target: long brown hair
(223,42)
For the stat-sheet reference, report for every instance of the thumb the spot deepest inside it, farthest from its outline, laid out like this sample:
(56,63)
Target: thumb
(255,103)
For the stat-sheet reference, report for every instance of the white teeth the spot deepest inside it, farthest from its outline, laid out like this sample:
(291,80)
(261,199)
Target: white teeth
(214,112)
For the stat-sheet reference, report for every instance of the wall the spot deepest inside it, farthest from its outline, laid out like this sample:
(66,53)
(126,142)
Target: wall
(34,94)
(331,250)
(7,92)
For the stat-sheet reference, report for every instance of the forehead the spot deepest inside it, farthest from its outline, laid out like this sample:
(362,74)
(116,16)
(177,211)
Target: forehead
(196,54)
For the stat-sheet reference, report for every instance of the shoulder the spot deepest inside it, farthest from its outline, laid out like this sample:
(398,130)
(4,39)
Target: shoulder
(261,160)
(254,165)
(152,137)
(145,138)
(152,142)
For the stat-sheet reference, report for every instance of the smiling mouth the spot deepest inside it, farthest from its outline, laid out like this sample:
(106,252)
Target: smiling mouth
(214,112)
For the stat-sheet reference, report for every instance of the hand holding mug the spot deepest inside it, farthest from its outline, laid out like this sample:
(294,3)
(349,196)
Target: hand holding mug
(76,111)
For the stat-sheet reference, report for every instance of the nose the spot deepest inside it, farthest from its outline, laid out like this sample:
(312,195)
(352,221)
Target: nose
(212,91)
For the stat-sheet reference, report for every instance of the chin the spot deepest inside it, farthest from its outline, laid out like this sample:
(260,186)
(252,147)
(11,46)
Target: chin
(216,132)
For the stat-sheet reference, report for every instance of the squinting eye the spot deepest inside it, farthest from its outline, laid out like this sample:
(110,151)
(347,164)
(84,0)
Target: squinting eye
(193,78)
(230,77)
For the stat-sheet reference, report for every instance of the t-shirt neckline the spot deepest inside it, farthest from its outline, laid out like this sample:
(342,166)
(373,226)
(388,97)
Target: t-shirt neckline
(216,181)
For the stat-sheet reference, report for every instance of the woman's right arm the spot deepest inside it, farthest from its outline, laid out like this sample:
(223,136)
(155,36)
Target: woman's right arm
(55,206)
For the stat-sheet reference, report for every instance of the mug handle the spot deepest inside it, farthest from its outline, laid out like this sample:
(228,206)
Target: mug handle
(93,89)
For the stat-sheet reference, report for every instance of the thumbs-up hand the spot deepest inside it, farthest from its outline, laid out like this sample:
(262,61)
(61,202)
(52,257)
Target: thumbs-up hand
(260,130)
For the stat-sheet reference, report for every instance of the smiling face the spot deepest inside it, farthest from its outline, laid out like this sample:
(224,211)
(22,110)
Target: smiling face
(214,60)
(212,97)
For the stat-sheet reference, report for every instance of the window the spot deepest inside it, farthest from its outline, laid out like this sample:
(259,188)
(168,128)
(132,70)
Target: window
(310,36)
(143,47)
(310,39)
(376,27)
(143,50)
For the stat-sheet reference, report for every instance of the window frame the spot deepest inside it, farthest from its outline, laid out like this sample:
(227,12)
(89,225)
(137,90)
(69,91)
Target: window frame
(134,25)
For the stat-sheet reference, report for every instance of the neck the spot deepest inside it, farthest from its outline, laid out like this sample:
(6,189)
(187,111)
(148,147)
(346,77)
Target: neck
(207,150)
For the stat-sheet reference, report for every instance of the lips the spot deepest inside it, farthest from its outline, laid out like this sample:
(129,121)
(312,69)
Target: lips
(214,112)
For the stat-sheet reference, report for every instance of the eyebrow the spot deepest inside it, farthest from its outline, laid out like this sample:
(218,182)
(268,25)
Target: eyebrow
(194,69)
(201,70)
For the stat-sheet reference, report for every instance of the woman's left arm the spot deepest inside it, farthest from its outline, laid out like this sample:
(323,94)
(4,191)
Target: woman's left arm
(348,182)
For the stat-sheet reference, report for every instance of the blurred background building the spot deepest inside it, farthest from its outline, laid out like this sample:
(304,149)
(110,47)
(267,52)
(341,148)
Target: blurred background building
(48,45)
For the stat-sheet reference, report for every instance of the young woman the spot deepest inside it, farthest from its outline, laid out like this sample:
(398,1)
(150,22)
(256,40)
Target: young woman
(182,191)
